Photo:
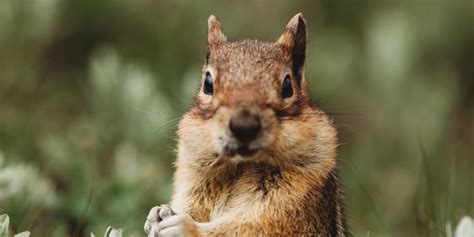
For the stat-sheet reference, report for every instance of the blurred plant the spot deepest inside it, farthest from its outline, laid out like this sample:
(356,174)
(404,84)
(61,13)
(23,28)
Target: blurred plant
(111,232)
(5,223)
(25,181)
(4,226)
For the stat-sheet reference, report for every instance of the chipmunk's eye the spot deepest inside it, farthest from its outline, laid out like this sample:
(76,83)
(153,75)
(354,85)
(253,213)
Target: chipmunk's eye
(208,87)
(286,89)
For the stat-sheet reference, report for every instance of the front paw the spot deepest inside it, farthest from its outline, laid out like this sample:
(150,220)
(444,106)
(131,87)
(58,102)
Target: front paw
(177,226)
(157,214)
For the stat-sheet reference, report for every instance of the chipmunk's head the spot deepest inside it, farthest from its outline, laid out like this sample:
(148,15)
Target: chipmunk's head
(253,97)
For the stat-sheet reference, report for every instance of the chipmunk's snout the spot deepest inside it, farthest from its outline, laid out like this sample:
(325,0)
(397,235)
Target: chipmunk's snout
(245,126)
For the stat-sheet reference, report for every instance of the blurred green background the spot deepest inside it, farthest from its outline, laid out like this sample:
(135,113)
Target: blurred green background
(91,91)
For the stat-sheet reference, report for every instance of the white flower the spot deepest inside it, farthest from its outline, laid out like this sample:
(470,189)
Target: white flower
(465,227)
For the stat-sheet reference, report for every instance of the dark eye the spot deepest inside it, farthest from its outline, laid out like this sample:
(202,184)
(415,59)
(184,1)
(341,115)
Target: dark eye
(208,87)
(286,89)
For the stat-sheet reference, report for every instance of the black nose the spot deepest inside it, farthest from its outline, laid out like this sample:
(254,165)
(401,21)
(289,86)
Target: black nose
(245,126)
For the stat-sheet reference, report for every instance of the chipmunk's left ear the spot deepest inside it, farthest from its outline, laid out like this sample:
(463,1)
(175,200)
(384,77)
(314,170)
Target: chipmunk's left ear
(215,36)
(293,40)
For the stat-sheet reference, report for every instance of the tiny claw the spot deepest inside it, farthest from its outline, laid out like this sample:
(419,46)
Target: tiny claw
(166,211)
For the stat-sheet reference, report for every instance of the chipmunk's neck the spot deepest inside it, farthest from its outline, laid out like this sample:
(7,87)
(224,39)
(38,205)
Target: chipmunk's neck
(227,172)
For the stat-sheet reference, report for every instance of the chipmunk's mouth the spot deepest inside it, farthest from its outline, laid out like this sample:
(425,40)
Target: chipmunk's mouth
(244,151)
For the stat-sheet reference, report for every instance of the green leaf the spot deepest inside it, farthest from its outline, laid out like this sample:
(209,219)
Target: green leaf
(115,233)
(111,232)
(107,232)
(23,234)
(4,223)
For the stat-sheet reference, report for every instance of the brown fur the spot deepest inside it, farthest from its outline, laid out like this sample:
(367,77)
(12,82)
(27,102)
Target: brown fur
(290,186)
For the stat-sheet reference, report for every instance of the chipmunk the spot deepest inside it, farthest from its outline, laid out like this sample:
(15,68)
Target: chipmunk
(255,157)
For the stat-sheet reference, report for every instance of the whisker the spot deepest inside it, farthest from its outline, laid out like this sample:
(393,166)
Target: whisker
(168,124)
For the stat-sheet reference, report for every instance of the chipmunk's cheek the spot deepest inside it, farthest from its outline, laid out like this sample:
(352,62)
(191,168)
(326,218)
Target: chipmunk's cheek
(292,136)
(270,129)
(283,137)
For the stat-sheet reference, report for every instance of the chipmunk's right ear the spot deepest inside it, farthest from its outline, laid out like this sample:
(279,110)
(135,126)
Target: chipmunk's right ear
(293,40)
(215,36)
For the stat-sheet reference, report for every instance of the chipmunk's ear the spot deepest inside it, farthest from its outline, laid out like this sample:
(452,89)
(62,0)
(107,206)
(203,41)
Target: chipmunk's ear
(293,40)
(215,36)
